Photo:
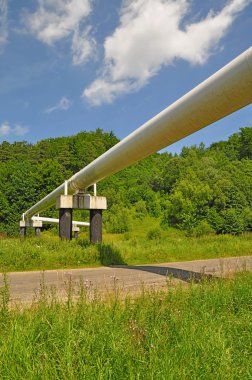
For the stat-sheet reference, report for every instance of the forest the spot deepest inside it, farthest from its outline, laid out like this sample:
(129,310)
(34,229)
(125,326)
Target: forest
(202,190)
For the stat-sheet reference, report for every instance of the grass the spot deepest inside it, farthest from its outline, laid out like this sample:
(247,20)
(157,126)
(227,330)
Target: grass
(202,332)
(134,247)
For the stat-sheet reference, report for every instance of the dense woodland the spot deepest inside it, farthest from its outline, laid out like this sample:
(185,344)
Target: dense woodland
(202,190)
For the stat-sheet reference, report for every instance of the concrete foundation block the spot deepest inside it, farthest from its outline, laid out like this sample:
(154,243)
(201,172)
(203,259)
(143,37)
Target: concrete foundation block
(89,202)
(31,223)
(64,201)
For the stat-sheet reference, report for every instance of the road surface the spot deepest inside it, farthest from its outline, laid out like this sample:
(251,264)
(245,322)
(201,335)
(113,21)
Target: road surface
(26,286)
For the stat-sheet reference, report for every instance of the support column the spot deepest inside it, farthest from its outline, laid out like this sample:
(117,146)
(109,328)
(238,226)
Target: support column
(95,226)
(37,231)
(76,231)
(22,232)
(64,203)
(95,205)
(65,223)
(24,224)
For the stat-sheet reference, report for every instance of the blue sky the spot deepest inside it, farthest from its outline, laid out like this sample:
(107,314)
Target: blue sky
(73,65)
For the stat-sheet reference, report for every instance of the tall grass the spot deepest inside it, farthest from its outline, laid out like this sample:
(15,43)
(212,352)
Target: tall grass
(202,332)
(48,252)
(139,246)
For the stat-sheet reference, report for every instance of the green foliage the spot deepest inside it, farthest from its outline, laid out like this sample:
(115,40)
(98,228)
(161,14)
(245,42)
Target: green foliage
(247,215)
(118,219)
(202,229)
(233,222)
(215,220)
(154,234)
(132,247)
(201,184)
(141,209)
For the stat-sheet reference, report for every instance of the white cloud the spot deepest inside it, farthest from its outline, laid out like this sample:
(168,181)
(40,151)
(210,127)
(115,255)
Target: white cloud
(3,23)
(5,129)
(83,46)
(150,36)
(55,20)
(63,105)
(16,130)
(20,130)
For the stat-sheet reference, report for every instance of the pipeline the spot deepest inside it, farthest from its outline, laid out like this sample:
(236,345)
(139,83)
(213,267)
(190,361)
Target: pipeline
(225,92)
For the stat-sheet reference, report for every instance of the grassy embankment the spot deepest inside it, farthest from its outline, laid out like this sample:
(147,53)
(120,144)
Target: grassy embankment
(135,247)
(202,332)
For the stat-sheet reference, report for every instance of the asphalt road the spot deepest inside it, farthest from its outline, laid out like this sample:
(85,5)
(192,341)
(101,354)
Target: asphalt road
(25,287)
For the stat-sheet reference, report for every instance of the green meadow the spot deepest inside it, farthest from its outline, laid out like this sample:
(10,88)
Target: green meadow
(145,243)
(199,332)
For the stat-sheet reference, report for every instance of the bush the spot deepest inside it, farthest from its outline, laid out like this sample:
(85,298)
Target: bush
(233,222)
(215,220)
(189,222)
(118,220)
(141,210)
(203,228)
(154,234)
(247,216)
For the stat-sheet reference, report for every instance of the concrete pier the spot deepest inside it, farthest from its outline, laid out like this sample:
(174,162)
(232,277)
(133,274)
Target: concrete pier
(65,223)
(24,224)
(67,203)
(95,232)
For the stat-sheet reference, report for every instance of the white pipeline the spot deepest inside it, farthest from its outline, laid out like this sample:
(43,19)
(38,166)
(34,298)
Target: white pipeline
(225,92)
(55,220)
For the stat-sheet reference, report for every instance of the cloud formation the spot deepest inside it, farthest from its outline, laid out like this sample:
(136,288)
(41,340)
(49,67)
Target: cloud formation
(150,35)
(16,130)
(55,20)
(3,23)
(63,105)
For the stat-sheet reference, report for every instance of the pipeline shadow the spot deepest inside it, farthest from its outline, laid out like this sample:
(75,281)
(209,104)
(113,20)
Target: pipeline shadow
(181,274)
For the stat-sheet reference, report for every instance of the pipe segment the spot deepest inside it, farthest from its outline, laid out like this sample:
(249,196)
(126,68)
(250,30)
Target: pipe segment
(55,220)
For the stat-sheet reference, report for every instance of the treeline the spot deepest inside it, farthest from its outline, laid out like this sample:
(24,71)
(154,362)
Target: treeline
(202,190)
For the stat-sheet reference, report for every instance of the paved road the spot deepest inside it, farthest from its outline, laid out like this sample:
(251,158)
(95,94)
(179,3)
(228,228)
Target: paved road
(25,286)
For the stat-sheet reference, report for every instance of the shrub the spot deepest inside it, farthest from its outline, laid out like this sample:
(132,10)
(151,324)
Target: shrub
(247,215)
(233,222)
(203,228)
(118,219)
(154,234)
(141,210)
(215,220)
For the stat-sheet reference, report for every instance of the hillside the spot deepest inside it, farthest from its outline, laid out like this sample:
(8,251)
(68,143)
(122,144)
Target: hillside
(202,190)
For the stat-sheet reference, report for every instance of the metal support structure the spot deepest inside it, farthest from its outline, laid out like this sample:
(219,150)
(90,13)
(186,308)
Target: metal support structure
(95,226)
(65,223)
